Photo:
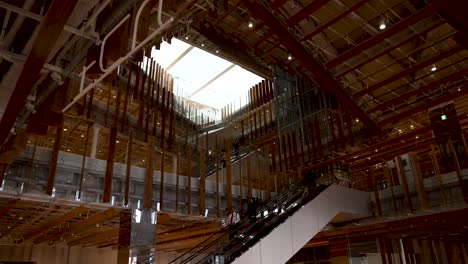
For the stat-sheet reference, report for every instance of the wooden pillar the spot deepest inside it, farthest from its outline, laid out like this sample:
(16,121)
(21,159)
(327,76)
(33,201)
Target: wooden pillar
(249,179)
(202,182)
(285,153)
(404,184)
(161,185)
(274,168)
(240,188)
(189,180)
(54,158)
(301,136)
(83,161)
(332,130)
(419,181)
(228,178)
(459,174)
(148,182)
(292,161)
(338,250)
(318,139)
(217,183)
(3,168)
(129,168)
(389,181)
(435,164)
(382,250)
(107,192)
(177,178)
(31,164)
(349,127)
(123,245)
(378,205)
(294,146)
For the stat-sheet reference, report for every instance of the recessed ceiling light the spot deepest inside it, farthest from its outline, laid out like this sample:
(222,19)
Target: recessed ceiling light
(186,37)
(82,135)
(251,25)
(117,141)
(65,129)
(217,51)
(203,45)
(434,68)
(383,26)
(289,57)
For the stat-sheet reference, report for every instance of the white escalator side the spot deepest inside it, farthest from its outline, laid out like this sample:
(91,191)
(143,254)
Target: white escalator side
(291,235)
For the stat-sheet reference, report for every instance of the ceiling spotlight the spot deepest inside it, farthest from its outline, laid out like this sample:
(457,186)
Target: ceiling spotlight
(412,126)
(117,141)
(203,44)
(434,68)
(382,26)
(289,57)
(443,117)
(217,51)
(357,120)
(65,129)
(186,37)
(251,25)
(82,135)
(399,130)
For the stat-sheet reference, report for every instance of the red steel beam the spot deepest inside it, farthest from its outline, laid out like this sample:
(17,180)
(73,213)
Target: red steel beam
(422,89)
(322,27)
(422,77)
(398,27)
(305,12)
(367,149)
(440,100)
(262,39)
(387,50)
(322,77)
(415,68)
(277,4)
(51,26)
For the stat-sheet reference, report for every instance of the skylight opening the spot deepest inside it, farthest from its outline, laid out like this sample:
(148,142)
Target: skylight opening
(205,78)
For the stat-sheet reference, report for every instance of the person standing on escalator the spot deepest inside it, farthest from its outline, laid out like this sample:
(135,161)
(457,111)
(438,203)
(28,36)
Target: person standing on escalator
(233,222)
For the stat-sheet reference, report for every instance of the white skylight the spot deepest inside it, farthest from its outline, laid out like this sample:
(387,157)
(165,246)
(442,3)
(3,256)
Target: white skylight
(203,77)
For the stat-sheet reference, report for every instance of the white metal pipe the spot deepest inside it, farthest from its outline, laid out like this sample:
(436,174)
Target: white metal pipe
(118,62)
(5,23)
(103,44)
(83,74)
(137,18)
(160,12)
(39,18)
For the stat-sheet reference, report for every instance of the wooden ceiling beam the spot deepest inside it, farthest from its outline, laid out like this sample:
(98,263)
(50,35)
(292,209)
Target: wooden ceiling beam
(80,226)
(321,76)
(389,49)
(51,26)
(420,108)
(55,222)
(427,63)
(398,27)
(97,236)
(325,25)
(403,97)
(305,12)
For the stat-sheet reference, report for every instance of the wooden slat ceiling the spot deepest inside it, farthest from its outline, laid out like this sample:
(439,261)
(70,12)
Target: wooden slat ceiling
(55,221)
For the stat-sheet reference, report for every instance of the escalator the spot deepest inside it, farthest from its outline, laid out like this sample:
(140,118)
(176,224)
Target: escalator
(282,226)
